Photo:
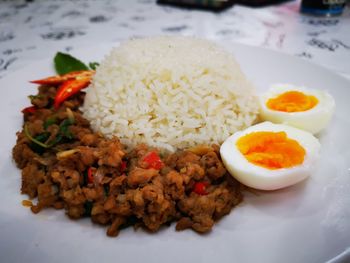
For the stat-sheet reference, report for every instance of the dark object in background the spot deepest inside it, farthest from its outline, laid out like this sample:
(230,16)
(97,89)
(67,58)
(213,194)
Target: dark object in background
(323,7)
(212,5)
(257,3)
(217,5)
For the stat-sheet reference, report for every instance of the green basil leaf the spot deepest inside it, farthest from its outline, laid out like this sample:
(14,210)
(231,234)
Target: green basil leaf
(38,142)
(42,137)
(56,140)
(33,97)
(94,65)
(49,122)
(87,208)
(65,63)
(64,129)
(106,189)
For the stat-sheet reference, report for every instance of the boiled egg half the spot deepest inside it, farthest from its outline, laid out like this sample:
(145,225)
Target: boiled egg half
(270,156)
(301,107)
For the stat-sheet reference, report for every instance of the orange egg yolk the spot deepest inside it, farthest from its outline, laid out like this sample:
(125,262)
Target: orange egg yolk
(292,101)
(272,150)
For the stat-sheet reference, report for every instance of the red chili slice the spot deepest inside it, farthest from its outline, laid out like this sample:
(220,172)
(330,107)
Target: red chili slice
(59,79)
(90,174)
(70,84)
(201,188)
(153,160)
(123,167)
(30,109)
(69,88)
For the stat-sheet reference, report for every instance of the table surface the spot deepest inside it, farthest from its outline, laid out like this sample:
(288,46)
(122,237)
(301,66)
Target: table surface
(35,30)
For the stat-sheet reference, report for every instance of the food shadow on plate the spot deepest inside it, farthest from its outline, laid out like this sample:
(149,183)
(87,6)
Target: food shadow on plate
(292,201)
(90,229)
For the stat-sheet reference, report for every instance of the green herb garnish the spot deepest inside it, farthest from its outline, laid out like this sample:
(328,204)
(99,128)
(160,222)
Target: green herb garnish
(94,65)
(65,63)
(49,122)
(41,138)
(106,189)
(39,142)
(33,97)
(88,207)
(34,140)
(64,128)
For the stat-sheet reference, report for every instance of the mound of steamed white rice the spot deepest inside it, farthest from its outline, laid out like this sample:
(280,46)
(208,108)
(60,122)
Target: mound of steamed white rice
(170,93)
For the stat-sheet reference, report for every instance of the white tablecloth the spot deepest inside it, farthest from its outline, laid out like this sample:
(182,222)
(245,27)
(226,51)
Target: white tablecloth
(35,30)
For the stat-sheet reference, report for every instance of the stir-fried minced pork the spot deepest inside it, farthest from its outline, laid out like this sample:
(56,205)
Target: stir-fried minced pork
(68,166)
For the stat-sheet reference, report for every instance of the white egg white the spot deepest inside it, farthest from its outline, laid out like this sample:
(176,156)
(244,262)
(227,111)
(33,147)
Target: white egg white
(313,120)
(262,178)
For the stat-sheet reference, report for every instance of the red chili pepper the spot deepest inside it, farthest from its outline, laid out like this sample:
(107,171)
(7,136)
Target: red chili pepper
(30,109)
(69,88)
(59,79)
(153,160)
(90,174)
(201,188)
(123,166)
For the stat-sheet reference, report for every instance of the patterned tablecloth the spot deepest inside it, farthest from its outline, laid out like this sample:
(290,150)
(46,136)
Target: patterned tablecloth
(33,30)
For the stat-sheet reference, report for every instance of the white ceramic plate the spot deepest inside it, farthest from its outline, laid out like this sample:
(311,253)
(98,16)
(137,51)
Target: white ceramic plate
(309,222)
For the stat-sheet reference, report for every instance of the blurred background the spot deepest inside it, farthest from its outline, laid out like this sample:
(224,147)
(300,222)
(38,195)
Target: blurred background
(37,29)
